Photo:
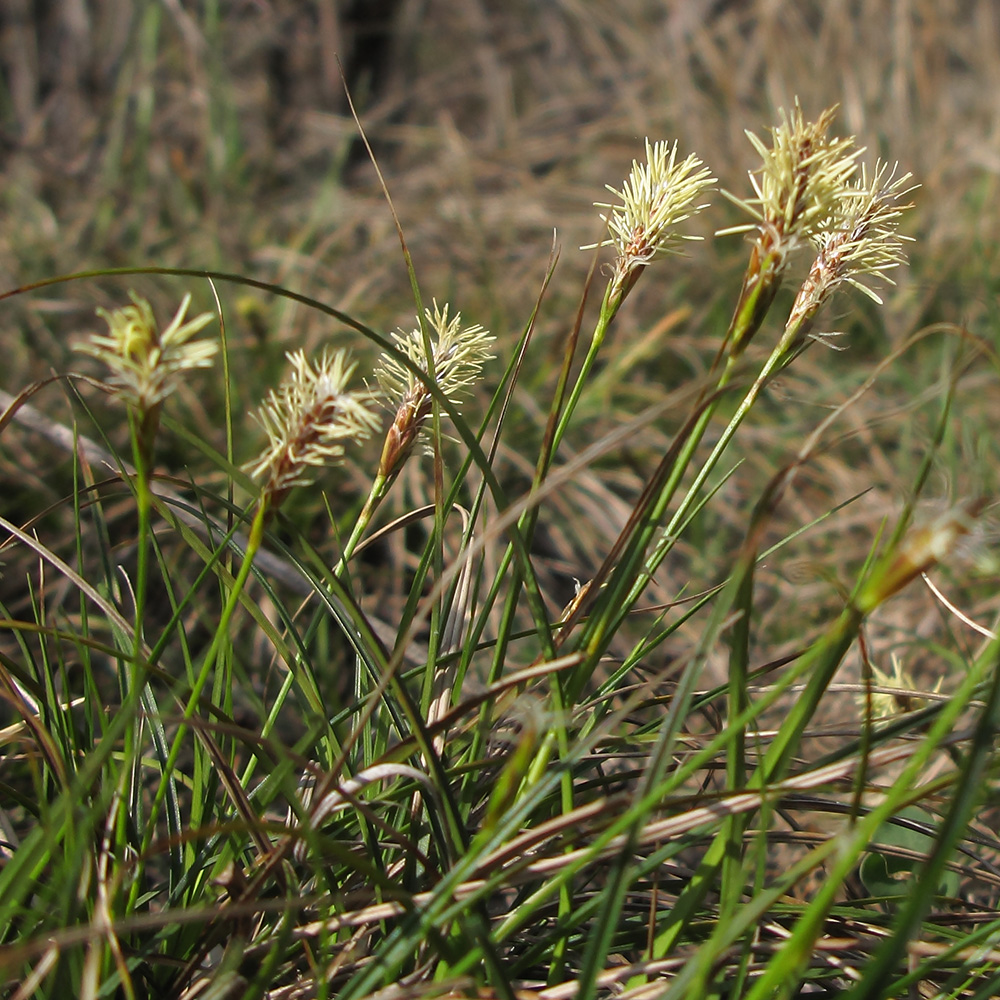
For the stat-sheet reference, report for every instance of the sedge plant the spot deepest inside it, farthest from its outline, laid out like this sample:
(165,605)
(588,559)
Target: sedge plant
(258,769)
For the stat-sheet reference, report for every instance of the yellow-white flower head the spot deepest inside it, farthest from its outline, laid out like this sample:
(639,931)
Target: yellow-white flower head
(308,420)
(903,697)
(866,239)
(147,363)
(457,357)
(863,240)
(803,180)
(654,199)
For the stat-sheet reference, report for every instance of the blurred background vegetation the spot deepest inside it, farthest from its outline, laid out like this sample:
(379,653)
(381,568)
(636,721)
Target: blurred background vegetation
(217,135)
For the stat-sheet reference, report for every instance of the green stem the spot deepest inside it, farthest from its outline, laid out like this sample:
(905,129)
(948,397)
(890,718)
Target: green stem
(380,487)
(255,539)
(778,358)
(143,431)
(609,309)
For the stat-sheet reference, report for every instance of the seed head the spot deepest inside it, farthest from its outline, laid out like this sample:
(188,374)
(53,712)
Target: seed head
(307,422)
(922,549)
(147,363)
(655,197)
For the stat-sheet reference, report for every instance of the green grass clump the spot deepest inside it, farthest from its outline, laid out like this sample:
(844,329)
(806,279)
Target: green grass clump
(256,746)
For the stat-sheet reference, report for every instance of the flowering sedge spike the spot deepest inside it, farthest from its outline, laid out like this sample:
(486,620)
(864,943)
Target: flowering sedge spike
(924,548)
(803,177)
(885,705)
(864,240)
(147,363)
(655,197)
(801,186)
(307,422)
(458,355)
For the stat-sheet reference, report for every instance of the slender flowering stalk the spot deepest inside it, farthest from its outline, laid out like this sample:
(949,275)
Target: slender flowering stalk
(655,198)
(146,365)
(801,187)
(804,192)
(802,183)
(307,422)
(457,357)
(863,241)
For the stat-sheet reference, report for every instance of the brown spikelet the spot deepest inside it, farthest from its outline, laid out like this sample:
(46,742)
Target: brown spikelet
(307,421)
(457,358)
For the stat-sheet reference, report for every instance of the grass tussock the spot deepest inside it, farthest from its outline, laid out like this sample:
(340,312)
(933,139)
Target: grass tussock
(644,647)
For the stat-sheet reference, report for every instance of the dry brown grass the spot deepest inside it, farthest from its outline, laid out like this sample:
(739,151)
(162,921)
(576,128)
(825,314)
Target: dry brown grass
(494,123)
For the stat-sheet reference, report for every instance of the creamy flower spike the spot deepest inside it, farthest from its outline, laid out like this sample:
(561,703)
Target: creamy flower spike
(801,188)
(457,357)
(863,241)
(904,697)
(866,240)
(147,363)
(656,196)
(308,420)
(803,179)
